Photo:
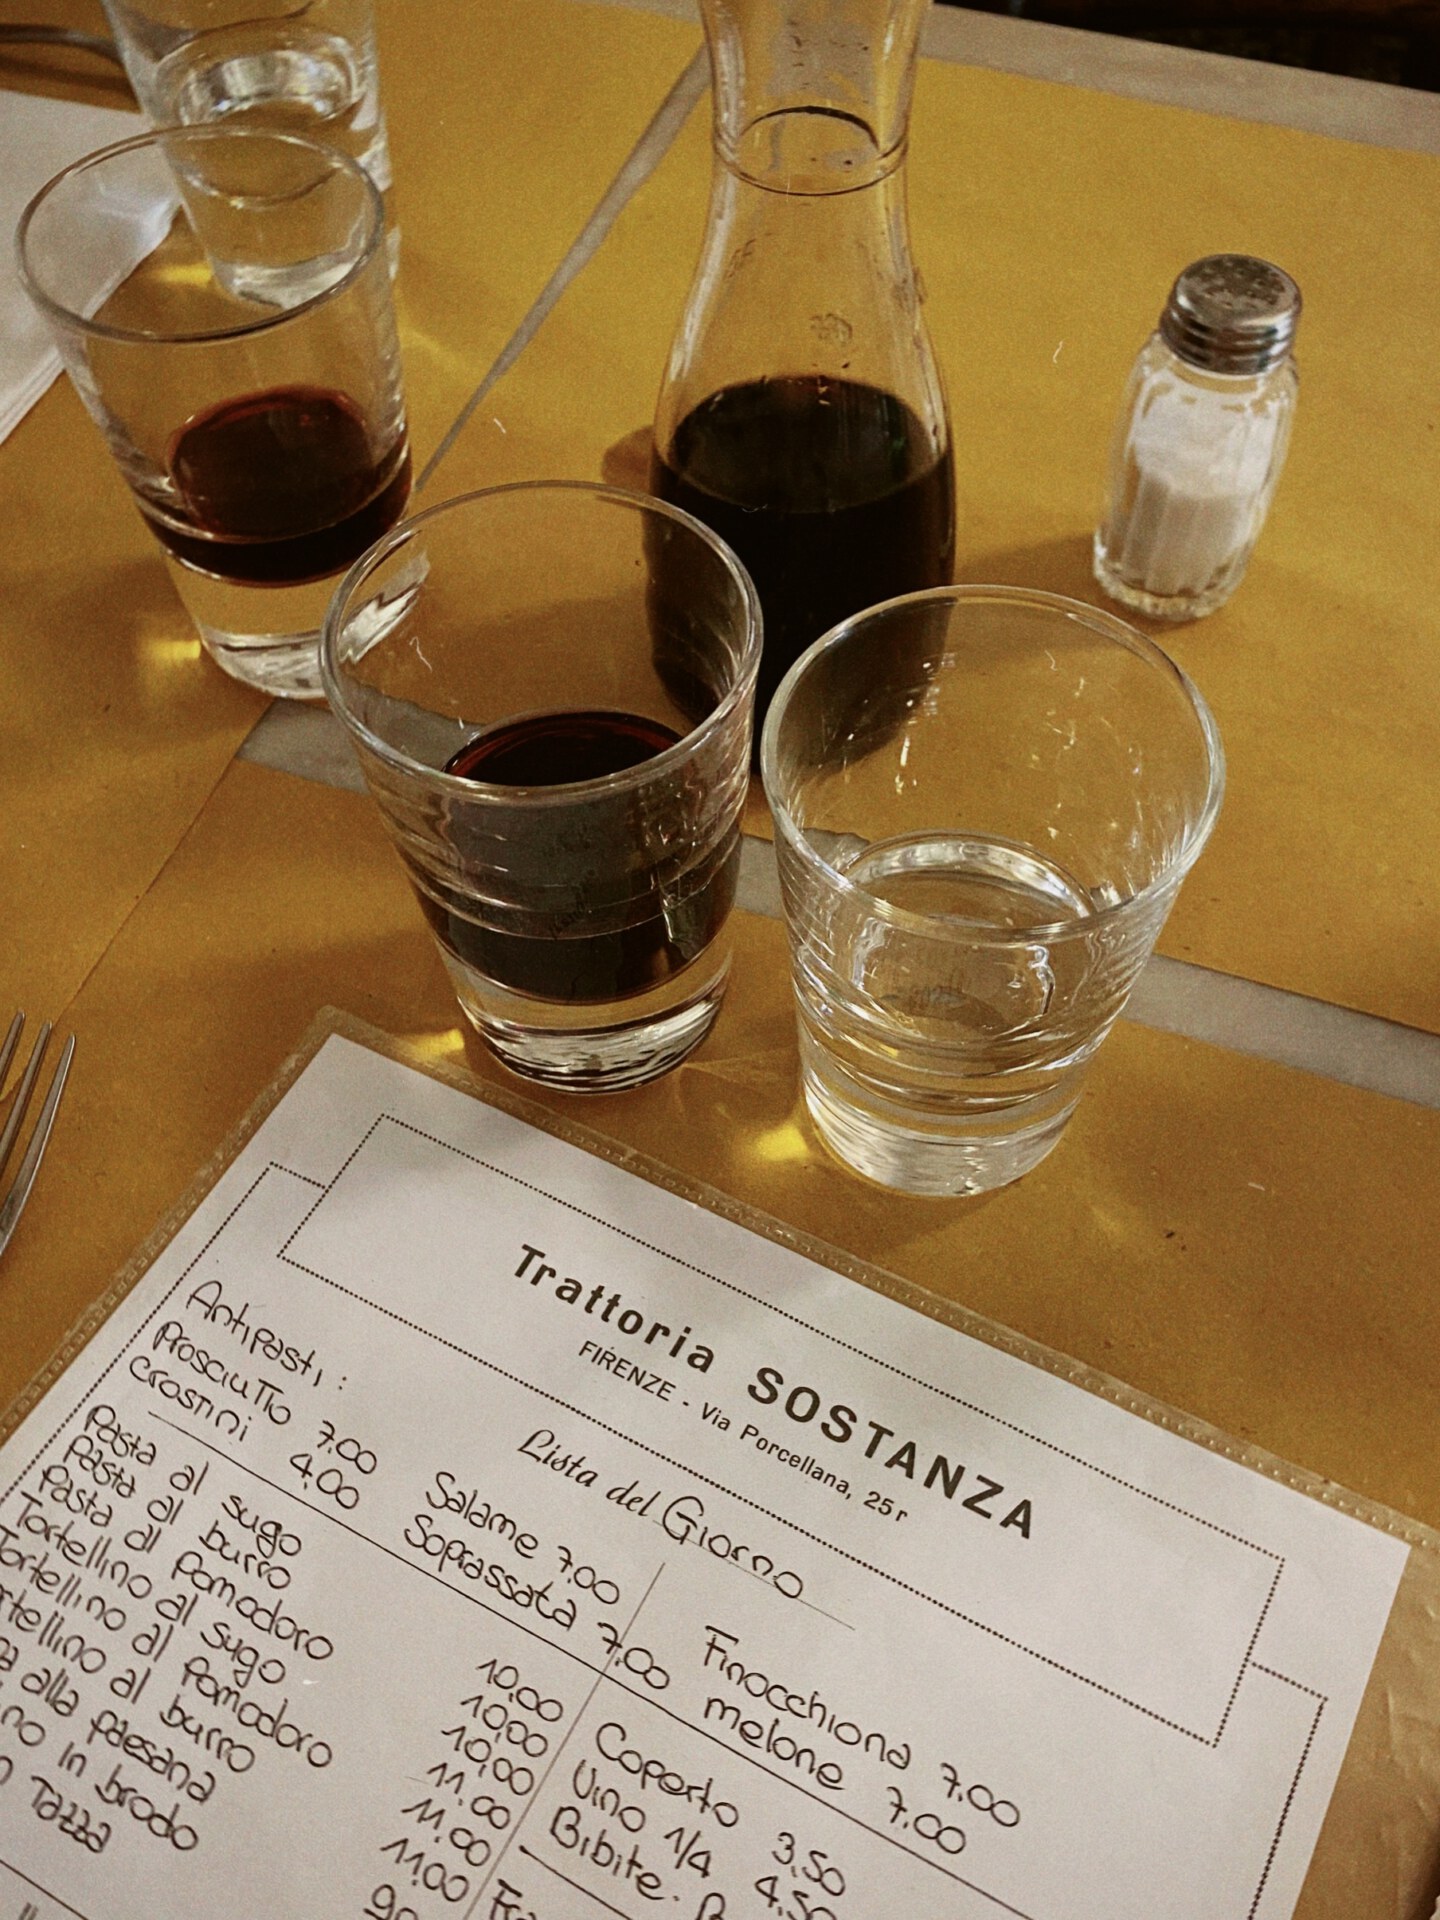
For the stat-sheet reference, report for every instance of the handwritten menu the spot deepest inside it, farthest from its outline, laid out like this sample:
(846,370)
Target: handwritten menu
(451,1523)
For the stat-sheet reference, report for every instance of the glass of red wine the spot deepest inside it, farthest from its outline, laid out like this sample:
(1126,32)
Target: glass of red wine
(261,431)
(550,689)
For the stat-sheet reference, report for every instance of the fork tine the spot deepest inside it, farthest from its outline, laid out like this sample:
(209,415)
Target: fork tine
(8,1049)
(22,1093)
(14,1202)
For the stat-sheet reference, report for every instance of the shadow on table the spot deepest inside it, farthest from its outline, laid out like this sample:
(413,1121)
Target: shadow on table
(627,462)
(124,627)
(1055,566)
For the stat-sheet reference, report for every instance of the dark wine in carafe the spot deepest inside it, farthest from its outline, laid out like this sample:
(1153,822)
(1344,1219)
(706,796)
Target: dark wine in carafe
(831,493)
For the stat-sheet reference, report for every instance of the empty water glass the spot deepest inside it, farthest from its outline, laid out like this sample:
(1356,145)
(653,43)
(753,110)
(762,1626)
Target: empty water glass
(308,69)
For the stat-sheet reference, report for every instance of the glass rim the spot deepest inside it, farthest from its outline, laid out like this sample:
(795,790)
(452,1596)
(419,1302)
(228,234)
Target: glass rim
(978,932)
(57,310)
(491,792)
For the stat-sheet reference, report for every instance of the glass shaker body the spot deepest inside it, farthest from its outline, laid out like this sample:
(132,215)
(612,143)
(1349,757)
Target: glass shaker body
(1202,436)
(802,415)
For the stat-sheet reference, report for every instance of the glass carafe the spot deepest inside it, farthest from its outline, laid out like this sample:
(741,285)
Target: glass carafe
(802,415)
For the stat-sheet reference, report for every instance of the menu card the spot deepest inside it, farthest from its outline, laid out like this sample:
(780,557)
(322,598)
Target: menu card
(452,1522)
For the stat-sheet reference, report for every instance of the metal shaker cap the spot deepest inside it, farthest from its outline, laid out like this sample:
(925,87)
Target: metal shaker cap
(1231,313)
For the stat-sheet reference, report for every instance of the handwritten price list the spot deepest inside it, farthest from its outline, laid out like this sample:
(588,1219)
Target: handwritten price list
(157,1660)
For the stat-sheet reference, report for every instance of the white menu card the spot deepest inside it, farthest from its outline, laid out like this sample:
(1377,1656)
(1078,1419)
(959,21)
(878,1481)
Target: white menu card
(451,1522)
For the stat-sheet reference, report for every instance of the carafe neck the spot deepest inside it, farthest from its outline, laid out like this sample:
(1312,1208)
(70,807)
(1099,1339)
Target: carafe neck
(812,96)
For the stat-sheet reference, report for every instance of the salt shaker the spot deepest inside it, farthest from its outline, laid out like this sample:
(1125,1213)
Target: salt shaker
(1201,439)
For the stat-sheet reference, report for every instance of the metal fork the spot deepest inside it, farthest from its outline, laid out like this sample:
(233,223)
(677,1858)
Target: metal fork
(12,1205)
(38,36)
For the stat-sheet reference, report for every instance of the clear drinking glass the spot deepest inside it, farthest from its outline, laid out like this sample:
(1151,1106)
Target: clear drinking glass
(263,438)
(307,69)
(550,688)
(985,800)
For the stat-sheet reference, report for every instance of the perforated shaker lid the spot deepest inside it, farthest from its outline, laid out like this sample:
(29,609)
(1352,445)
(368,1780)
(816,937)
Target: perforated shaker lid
(1231,313)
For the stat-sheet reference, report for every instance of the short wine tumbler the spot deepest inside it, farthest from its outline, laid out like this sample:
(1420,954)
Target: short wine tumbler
(550,688)
(985,801)
(221,300)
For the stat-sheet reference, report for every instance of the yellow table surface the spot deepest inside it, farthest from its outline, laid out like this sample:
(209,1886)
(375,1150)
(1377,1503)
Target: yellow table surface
(508,120)
(116,726)
(1247,1243)
(1048,222)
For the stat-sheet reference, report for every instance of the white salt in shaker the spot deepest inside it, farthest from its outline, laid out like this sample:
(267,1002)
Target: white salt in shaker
(1201,439)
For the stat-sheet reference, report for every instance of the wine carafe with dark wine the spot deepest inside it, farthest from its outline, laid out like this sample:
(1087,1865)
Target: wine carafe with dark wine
(802,415)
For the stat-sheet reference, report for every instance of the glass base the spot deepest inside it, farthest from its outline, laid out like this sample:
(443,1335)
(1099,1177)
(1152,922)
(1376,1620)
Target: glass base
(921,1153)
(578,1050)
(285,665)
(1172,607)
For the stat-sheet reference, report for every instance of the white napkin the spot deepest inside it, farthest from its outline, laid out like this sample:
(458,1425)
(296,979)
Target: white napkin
(37,138)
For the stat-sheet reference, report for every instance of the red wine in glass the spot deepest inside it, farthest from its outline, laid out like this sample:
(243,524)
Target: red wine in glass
(588,948)
(281,487)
